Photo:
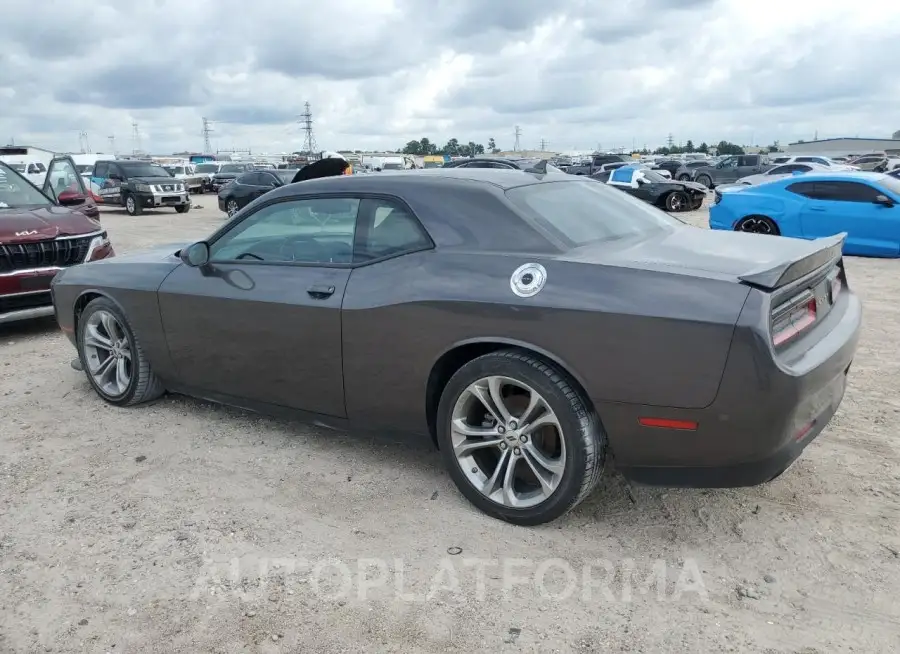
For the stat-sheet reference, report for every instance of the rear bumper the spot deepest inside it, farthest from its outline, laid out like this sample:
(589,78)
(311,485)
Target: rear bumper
(765,413)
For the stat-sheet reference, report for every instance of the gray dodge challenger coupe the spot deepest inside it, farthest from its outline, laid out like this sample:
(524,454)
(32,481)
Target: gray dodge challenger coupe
(533,325)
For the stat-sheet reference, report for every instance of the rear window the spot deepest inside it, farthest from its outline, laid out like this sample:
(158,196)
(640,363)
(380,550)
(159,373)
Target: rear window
(582,212)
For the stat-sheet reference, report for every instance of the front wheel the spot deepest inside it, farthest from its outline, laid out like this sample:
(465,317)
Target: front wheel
(132,206)
(518,440)
(183,208)
(684,178)
(112,357)
(676,201)
(231,207)
(706,180)
(757,225)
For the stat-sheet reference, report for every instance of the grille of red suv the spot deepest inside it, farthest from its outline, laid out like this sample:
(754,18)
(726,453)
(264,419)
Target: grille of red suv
(57,253)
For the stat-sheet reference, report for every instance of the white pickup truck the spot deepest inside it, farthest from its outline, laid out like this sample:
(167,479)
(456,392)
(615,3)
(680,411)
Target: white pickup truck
(186,174)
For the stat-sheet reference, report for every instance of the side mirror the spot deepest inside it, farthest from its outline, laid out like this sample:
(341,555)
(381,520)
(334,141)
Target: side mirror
(195,255)
(69,199)
(641,180)
(884,201)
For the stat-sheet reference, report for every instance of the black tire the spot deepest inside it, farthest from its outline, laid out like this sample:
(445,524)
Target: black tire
(706,180)
(697,204)
(684,178)
(676,201)
(144,385)
(582,432)
(183,208)
(758,225)
(132,208)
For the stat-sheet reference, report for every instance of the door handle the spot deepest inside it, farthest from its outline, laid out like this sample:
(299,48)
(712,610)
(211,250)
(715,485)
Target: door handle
(816,208)
(320,291)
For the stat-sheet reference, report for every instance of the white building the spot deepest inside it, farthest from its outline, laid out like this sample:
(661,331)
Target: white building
(843,147)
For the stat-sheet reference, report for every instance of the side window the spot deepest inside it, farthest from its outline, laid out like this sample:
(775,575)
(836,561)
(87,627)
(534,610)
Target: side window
(250,179)
(314,230)
(101,170)
(819,160)
(806,189)
(846,192)
(749,160)
(387,228)
(731,162)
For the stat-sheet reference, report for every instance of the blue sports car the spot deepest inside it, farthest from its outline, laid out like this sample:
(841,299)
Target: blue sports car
(864,205)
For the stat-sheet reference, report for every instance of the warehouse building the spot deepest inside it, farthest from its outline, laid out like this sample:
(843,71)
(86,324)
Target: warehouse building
(844,147)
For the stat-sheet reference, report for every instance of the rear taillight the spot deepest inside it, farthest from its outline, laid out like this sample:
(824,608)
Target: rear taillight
(792,318)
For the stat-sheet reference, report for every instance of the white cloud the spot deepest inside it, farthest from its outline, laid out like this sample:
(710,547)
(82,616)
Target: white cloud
(380,73)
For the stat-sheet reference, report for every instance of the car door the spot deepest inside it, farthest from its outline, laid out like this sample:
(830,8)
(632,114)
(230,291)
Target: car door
(258,182)
(748,164)
(391,252)
(727,171)
(65,185)
(842,206)
(262,321)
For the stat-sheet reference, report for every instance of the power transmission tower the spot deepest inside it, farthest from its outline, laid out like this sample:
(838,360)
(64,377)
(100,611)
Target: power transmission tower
(207,130)
(518,134)
(670,141)
(135,137)
(83,143)
(543,145)
(309,140)
(112,143)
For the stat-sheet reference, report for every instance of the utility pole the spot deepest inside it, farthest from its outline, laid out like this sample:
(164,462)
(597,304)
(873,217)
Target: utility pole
(670,141)
(83,143)
(543,145)
(112,143)
(207,130)
(135,137)
(309,140)
(518,135)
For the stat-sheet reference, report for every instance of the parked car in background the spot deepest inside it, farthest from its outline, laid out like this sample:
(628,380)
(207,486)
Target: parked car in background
(251,185)
(651,187)
(419,302)
(137,185)
(816,159)
(205,172)
(687,172)
(42,232)
(868,162)
(784,170)
(499,162)
(186,174)
(815,205)
(730,169)
(594,164)
(227,173)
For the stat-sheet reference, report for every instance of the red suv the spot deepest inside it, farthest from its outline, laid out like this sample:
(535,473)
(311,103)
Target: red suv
(43,231)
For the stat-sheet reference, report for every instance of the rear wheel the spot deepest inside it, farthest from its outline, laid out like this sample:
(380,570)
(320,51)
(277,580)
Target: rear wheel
(705,180)
(757,225)
(112,357)
(519,442)
(676,201)
(231,207)
(696,204)
(684,177)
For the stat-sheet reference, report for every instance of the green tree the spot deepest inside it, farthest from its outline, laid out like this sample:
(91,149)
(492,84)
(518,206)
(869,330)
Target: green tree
(726,147)
(703,148)
(492,145)
(426,147)
(412,147)
(452,148)
(689,146)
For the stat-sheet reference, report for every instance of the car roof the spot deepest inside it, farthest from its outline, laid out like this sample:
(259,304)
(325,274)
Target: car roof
(825,176)
(395,182)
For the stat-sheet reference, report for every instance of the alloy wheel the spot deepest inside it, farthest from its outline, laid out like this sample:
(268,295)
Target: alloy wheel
(756,226)
(107,353)
(129,204)
(231,208)
(508,442)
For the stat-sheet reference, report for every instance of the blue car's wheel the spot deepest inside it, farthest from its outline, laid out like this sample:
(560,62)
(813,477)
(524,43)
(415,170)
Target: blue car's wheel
(757,225)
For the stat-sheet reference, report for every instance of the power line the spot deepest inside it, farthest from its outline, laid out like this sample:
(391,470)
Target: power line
(306,120)
(207,130)
(518,134)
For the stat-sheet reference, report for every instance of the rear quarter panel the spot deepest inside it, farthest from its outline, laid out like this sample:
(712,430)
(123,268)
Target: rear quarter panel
(133,286)
(626,335)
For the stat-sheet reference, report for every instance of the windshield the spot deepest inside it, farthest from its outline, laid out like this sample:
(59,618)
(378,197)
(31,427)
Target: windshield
(18,192)
(145,170)
(18,167)
(582,212)
(207,168)
(286,175)
(654,177)
(232,168)
(175,170)
(892,184)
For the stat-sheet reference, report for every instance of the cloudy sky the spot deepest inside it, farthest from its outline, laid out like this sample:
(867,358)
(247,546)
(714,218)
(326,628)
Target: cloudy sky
(378,73)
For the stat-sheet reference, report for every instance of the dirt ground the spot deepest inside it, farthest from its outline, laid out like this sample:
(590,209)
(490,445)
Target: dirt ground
(188,527)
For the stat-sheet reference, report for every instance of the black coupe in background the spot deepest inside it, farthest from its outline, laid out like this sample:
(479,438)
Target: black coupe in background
(250,185)
(529,323)
(653,188)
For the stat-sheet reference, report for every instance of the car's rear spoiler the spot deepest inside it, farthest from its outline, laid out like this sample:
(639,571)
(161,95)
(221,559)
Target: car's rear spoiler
(822,251)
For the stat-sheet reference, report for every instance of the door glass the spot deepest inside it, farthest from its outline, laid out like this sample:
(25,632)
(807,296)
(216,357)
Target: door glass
(318,230)
(63,180)
(846,192)
(394,230)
